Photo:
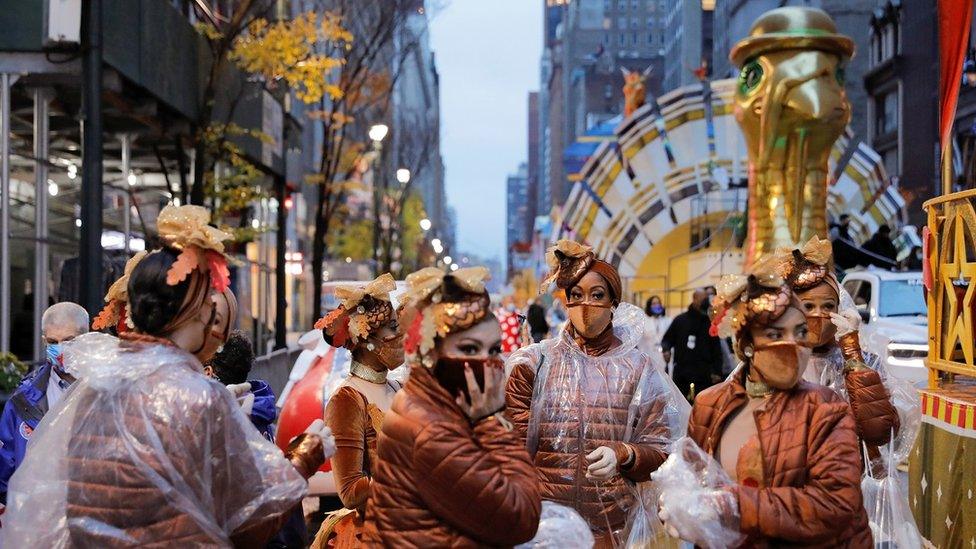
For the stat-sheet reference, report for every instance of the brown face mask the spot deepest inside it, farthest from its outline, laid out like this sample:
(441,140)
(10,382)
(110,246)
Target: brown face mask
(781,363)
(389,351)
(822,330)
(589,319)
(449,372)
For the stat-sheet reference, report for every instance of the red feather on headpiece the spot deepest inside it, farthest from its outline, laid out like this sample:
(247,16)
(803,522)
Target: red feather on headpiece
(412,340)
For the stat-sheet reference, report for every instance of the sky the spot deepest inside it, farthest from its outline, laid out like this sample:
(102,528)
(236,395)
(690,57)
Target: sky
(487,54)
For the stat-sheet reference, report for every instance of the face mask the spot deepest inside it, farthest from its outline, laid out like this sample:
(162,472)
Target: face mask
(510,308)
(449,372)
(822,330)
(657,309)
(590,320)
(54,356)
(780,364)
(389,352)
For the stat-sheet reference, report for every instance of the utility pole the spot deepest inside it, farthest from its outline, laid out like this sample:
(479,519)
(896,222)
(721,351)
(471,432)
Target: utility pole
(90,246)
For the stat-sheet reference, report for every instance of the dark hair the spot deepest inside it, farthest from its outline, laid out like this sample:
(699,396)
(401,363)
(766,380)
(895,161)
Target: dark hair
(234,361)
(647,305)
(153,302)
(884,229)
(844,216)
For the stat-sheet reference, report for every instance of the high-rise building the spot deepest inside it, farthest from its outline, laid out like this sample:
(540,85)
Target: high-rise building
(900,83)
(533,153)
(687,42)
(519,218)
(587,43)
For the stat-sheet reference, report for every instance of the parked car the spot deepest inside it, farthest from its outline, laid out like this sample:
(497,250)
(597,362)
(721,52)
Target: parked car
(894,319)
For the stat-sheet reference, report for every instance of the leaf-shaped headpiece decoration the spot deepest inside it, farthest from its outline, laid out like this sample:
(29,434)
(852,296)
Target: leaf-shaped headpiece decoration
(362,310)
(439,303)
(117,297)
(806,267)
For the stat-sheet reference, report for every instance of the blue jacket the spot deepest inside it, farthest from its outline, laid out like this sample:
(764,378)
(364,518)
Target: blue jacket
(263,413)
(20,417)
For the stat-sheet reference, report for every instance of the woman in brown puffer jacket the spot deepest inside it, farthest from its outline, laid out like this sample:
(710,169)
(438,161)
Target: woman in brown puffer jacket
(789,445)
(145,450)
(836,361)
(596,414)
(450,472)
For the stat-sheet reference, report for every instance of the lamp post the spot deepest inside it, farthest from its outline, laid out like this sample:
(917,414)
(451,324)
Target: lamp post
(377,133)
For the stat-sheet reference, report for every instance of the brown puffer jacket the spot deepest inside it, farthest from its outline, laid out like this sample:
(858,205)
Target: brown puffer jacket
(441,482)
(811,462)
(182,474)
(874,416)
(601,400)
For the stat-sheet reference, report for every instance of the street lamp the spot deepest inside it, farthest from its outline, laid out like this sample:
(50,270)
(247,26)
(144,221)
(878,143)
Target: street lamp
(403,176)
(448,259)
(425,224)
(378,132)
(454,266)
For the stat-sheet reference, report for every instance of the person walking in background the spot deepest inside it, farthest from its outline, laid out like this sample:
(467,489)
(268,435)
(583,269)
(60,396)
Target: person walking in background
(40,390)
(538,326)
(697,354)
(655,326)
(231,367)
(880,245)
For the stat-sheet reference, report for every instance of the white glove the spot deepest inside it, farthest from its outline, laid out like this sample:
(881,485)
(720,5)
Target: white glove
(603,464)
(243,395)
(703,518)
(318,427)
(847,322)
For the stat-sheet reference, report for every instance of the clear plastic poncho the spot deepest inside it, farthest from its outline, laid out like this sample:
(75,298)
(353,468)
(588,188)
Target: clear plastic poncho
(582,402)
(560,527)
(695,501)
(144,449)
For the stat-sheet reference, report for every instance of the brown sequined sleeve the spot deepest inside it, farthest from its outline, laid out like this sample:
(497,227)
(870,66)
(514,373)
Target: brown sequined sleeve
(346,416)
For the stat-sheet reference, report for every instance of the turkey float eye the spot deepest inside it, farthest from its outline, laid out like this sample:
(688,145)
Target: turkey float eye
(750,76)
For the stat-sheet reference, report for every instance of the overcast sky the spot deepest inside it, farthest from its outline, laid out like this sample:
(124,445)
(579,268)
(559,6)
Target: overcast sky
(487,52)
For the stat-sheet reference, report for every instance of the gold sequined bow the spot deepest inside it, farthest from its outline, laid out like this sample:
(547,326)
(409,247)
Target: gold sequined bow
(380,289)
(424,283)
(571,256)
(184,226)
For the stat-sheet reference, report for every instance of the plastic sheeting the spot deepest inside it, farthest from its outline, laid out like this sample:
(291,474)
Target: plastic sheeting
(890,518)
(560,527)
(144,448)
(580,403)
(694,501)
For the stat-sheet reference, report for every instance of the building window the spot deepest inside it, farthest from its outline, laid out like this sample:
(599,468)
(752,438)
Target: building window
(634,23)
(621,23)
(621,39)
(886,113)
(634,39)
(650,38)
(607,5)
(634,5)
(651,5)
(650,22)
(885,34)
(621,5)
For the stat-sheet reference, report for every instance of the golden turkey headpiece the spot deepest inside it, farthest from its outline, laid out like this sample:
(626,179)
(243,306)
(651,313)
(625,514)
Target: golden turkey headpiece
(807,267)
(757,297)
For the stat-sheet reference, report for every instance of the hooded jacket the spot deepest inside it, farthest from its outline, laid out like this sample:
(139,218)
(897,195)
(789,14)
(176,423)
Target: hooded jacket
(442,482)
(20,417)
(811,465)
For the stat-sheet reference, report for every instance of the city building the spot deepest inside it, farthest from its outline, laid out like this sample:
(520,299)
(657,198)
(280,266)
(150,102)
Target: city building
(518,215)
(903,69)
(533,154)
(588,44)
(687,42)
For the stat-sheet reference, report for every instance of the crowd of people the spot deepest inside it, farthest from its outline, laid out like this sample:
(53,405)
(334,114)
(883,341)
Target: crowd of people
(150,431)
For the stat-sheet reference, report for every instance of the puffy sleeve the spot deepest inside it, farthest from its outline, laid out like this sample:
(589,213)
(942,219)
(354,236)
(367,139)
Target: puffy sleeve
(662,416)
(346,416)
(831,496)
(460,468)
(521,366)
(874,415)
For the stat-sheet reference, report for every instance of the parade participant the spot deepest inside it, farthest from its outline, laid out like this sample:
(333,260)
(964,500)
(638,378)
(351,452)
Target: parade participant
(789,445)
(596,413)
(145,449)
(451,473)
(366,324)
(40,390)
(836,361)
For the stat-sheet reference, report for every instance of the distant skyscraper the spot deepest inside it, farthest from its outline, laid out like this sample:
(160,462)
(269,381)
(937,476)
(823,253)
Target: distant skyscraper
(687,42)
(587,43)
(533,154)
(518,215)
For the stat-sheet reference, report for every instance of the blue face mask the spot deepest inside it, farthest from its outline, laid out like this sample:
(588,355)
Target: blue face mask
(657,309)
(54,357)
